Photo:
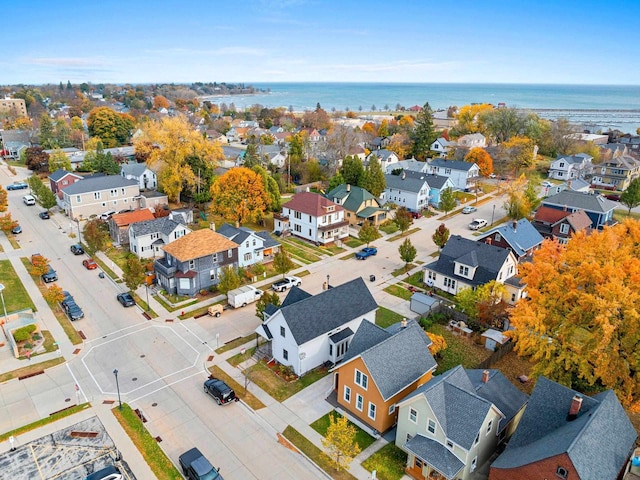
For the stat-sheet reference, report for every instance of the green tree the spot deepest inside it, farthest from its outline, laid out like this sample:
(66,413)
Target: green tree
(531,195)
(503,123)
(36,185)
(424,132)
(630,198)
(58,160)
(373,179)
(352,170)
(336,181)
(368,232)
(251,157)
(271,187)
(46,139)
(407,252)
(229,280)
(96,235)
(441,236)
(282,263)
(266,299)
(47,198)
(403,219)
(447,200)
(340,440)
(133,272)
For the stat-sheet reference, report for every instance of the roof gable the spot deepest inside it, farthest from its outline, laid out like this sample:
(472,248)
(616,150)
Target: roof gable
(578,200)
(520,235)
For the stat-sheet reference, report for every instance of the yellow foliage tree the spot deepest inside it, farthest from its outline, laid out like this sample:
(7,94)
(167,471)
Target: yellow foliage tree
(400,144)
(341,440)
(370,128)
(239,195)
(581,322)
(469,118)
(168,144)
(438,343)
(480,157)
(520,151)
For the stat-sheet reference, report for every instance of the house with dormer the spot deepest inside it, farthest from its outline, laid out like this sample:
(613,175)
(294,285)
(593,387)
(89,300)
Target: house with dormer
(414,190)
(359,205)
(311,330)
(560,225)
(567,167)
(616,172)
(442,146)
(463,175)
(148,237)
(465,263)
(119,224)
(519,236)
(454,423)
(313,217)
(410,164)
(381,367)
(598,209)
(566,435)
(253,247)
(472,140)
(386,158)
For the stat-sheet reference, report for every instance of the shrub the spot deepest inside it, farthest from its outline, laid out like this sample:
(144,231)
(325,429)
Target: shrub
(28,346)
(36,337)
(24,333)
(426,322)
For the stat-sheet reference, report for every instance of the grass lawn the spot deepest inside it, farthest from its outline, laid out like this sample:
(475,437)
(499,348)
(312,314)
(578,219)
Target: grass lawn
(44,421)
(157,460)
(236,343)
(144,305)
(385,317)
(33,368)
(238,358)
(460,351)
(402,270)
(402,235)
(15,295)
(316,455)
(353,242)
(106,269)
(512,366)
(388,462)
(347,257)
(321,425)
(301,254)
(398,291)
(415,280)
(14,243)
(276,386)
(244,395)
(118,256)
(620,215)
(389,228)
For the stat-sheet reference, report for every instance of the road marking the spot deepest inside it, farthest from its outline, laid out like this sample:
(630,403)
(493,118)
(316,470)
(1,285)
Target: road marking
(86,400)
(165,386)
(202,342)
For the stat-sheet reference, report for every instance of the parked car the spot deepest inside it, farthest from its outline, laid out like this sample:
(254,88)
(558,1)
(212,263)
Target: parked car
(17,186)
(17,229)
(29,200)
(74,312)
(125,299)
(220,391)
(77,249)
(469,209)
(493,175)
(68,300)
(108,473)
(107,215)
(613,196)
(50,276)
(366,252)
(286,283)
(477,224)
(547,184)
(195,466)
(416,215)
(90,264)
(44,215)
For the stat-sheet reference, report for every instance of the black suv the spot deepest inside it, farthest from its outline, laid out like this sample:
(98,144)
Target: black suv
(195,466)
(50,276)
(126,299)
(220,391)
(74,312)
(77,249)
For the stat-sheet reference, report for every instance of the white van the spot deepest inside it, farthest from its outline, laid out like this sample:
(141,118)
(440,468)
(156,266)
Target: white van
(29,200)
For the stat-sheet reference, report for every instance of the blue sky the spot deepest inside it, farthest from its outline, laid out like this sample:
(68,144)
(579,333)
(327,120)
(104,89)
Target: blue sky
(467,41)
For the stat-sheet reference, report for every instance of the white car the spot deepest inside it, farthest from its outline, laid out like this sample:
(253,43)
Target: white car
(107,215)
(469,209)
(477,224)
(547,184)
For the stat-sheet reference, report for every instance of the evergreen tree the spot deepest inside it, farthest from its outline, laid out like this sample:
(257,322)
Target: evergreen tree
(47,140)
(251,157)
(352,170)
(373,179)
(424,132)
(336,181)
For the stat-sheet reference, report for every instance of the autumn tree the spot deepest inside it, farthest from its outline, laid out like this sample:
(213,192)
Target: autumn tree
(113,128)
(7,223)
(239,195)
(403,219)
(630,198)
(168,144)
(229,280)
(438,343)
(480,157)
(282,263)
(469,118)
(340,440)
(160,101)
(400,144)
(373,179)
(485,303)
(580,323)
(96,235)
(441,236)
(407,252)
(53,295)
(368,232)
(517,204)
(4,199)
(266,299)
(447,200)
(352,170)
(520,151)
(59,160)
(36,159)
(424,132)
(134,272)
(39,266)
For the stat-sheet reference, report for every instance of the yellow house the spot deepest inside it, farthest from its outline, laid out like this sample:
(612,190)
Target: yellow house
(382,367)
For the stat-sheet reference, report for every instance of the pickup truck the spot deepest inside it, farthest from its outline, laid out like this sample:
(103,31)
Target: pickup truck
(196,467)
(366,252)
(286,283)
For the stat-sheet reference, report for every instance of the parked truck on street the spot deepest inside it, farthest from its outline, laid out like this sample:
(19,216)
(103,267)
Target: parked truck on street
(241,297)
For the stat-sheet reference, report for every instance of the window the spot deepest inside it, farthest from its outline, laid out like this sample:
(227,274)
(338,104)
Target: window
(449,444)
(192,264)
(212,274)
(79,199)
(359,401)
(361,379)
(247,244)
(392,408)
(285,354)
(297,228)
(372,411)
(229,253)
(418,463)
(347,394)
(96,195)
(214,258)
(282,332)
(475,442)
(489,426)
(474,464)
(122,190)
(297,215)
(562,472)
(498,237)
(413,415)
(409,436)
(104,204)
(564,228)
(247,257)
(431,426)
(449,283)
(254,242)
(463,270)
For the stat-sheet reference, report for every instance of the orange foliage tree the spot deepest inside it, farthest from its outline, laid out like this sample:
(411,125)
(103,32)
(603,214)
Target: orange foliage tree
(160,101)
(239,195)
(438,343)
(580,324)
(480,157)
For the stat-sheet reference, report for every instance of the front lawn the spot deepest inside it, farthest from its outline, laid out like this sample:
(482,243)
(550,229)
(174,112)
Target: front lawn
(398,291)
(243,394)
(321,425)
(388,462)
(385,317)
(15,295)
(276,386)
(353,242)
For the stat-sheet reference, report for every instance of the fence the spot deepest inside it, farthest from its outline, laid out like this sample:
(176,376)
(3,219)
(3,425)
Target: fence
(500,352)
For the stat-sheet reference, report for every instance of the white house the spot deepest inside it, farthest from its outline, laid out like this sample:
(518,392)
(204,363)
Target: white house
(472,140)
(567,167)
(409,164)
(414,190)
(385,157)
(313,217)
(308,331)
(253,247)
(463,175)
(147,179)
(147,238)
(442,146)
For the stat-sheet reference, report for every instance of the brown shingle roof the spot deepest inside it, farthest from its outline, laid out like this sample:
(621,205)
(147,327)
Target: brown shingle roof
(198,244)
(579,220)
(312,204)
(127,218)
(550,215)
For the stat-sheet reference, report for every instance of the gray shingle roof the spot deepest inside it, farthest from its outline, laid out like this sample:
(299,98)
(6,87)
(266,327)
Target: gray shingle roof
(436,455)
(452,164)
(581,201)
(295,295)
(60,173)
(408,181)
(94,184)
(158,225)
(313,316)
(133,169)
(499,391)
(521,238)
(598,441)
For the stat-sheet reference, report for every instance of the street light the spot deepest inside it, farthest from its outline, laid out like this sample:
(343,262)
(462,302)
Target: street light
(79,238)
(4,307)
(146,286)
(115,372)
(493,213)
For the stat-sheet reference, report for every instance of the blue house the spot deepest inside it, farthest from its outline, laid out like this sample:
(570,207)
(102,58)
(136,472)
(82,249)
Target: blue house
(597,208)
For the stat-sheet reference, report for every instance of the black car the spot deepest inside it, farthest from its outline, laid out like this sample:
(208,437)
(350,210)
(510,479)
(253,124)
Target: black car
(108,473)
(68,300)
(77,249)
(220,391)
(126,299)
(73,311)
(50,276)
(44,215)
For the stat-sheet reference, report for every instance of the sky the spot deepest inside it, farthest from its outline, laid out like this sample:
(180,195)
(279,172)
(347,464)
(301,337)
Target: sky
(258,41)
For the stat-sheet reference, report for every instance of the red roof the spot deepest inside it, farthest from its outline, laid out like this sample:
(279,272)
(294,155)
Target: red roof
(312,204)
(127,218)
(550,215)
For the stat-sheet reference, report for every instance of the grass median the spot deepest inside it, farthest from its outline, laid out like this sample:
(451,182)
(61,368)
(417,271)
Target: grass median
(44,421)
(31,369)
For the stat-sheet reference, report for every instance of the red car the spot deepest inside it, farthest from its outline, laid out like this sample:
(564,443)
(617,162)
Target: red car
(416,215)
(90,264)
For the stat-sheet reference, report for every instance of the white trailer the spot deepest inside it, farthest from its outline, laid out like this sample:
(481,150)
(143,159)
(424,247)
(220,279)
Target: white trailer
(243,296)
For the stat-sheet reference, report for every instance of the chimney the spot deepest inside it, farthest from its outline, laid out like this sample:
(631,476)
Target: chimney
(403,324)
(485,376)
(212,226)
(488,240)
(576,403)
(348,187)
(404,175)
(237,224)
(515,225)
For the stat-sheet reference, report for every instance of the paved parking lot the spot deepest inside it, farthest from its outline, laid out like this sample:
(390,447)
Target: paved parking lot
(68,454)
